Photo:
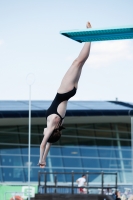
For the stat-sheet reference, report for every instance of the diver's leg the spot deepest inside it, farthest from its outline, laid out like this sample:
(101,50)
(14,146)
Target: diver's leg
(72,76)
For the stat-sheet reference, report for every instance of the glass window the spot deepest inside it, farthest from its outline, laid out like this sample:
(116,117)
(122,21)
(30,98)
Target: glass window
(33,159)
(82,147)
(85,130)
(24,129)
(23,138)
(18,174)
(91,163)
(120,163)
(129,128)
(86,142)
(104,143)
(127,174)
(7,174)
(127,164)
(125,144)
(123,154)
(115,143)
(122,131)
(70,130)
(122,127)
(107,153)
(103,130)
(125,135)
(126,154)
(109,163)
(9,138)
(89,152)
(95,176)
(35,150)
(58,142)
(68,141)
(34,129)
(11,160)
(10,149)
(70,151)
(34,174)
(24,150)
(35,136)
(56,151)
(1,179)
(9,129)
(110,178)
(55,161)
(72,162)
(35,139)
(121,175)
(12,174)
(41,128)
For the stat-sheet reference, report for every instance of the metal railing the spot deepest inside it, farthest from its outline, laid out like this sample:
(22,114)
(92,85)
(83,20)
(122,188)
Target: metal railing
(69,187)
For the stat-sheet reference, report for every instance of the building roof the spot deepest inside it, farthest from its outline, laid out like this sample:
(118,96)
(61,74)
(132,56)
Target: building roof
(13,109)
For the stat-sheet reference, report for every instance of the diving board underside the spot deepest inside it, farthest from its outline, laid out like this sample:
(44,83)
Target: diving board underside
(91,35)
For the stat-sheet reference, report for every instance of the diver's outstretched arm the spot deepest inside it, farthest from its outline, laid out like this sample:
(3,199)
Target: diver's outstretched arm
(48,145)
(44,147)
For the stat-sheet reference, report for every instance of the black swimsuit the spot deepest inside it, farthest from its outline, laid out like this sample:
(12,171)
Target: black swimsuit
(57,100)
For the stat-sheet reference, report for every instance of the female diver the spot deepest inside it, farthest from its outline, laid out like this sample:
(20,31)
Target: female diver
(56,112)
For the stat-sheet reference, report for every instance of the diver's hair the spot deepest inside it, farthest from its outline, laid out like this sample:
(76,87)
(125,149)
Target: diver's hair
(56,135)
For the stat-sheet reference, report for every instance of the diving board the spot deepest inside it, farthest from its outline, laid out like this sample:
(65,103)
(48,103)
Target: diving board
(91,34)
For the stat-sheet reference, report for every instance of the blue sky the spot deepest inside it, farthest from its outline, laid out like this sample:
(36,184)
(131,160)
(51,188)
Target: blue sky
(30,43)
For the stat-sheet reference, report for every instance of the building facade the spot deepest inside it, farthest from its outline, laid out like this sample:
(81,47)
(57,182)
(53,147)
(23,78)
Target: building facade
(97,138)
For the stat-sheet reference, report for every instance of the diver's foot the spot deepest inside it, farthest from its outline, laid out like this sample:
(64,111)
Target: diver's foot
(88,25)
